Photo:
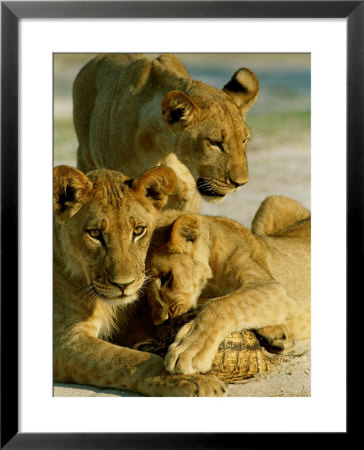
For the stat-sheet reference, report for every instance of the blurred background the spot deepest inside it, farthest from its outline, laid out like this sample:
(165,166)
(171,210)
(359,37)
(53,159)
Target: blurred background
(279,151)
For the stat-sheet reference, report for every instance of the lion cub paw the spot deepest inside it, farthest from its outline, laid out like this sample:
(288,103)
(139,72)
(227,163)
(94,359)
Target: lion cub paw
(193,386)
(275,339)
(192,352)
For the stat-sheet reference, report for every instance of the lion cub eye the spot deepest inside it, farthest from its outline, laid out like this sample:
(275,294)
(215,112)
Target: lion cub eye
(139,231)
(166,279)
(96,234)
(218,144)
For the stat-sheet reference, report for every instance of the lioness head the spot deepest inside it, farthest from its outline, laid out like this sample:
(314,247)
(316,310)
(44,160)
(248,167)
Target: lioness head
(179,269)
(210,133)
(103,224)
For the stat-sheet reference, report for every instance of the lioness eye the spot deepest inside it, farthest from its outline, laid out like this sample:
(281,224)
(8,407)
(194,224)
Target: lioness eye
(138,231)
(96,234)
(166,279)
(244,140)
(218,144)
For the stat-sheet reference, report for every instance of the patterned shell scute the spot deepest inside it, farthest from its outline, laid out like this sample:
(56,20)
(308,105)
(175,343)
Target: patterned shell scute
(240,356)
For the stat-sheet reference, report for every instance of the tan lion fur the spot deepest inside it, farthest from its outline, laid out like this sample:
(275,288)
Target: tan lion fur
(103,223)
(134,112)
(245,281)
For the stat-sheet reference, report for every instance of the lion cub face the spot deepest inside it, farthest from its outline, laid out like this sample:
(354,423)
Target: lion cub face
(104,223)
(210,133)
(179,270)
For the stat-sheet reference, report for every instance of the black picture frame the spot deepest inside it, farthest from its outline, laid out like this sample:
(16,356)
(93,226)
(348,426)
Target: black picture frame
(11,12)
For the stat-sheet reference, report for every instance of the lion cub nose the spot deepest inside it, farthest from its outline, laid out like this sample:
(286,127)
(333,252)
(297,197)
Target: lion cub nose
(122,284)
(238,183)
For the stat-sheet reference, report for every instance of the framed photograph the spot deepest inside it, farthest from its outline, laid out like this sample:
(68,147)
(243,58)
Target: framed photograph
(39,39)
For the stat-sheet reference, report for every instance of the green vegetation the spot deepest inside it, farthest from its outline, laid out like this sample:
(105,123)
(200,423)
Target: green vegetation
(65,141)
(280,128)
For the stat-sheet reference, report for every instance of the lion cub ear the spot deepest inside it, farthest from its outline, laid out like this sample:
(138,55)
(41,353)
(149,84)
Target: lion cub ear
(185,232)
(178,107)
(243,88)
(155,185)
(70,189)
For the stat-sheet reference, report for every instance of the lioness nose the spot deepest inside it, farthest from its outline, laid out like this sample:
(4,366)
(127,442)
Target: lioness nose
(239,183)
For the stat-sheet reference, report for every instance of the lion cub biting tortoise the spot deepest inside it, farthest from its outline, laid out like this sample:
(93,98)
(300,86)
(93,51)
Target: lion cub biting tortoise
(133,112)
(246,280)
(103,222)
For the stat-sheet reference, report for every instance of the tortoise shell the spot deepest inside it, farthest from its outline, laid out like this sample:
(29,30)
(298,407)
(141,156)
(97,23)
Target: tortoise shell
(239,356)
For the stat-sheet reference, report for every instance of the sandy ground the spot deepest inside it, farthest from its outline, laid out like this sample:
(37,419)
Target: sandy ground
(290,378)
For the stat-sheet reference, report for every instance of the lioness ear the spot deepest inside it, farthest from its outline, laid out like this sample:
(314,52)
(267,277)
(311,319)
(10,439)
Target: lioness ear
(185,232)
(178,107)
(70,189)
(243,88)
(155,185)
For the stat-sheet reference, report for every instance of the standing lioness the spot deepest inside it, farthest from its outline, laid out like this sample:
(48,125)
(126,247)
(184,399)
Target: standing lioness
(134,112)
(102,227)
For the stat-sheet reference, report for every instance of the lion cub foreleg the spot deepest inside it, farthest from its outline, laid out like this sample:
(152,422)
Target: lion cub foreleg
(86,359)
(252,306)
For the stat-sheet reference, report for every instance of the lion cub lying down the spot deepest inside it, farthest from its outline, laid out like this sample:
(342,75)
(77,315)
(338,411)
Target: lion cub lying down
(247,281)
(103,223)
